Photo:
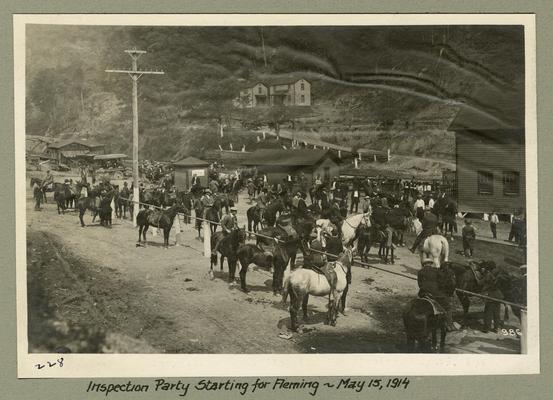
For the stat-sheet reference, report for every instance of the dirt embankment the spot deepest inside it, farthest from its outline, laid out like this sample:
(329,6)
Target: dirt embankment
(77,305)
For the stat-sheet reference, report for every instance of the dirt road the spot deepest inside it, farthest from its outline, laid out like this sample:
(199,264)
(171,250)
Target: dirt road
(136,299)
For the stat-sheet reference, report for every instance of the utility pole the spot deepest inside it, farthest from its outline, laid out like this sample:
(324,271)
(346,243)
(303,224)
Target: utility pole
(135,74)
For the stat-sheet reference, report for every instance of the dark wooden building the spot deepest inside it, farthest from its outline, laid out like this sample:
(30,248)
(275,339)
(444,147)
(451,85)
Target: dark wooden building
(68,150)
(277,164)
(490,154)
(187,168)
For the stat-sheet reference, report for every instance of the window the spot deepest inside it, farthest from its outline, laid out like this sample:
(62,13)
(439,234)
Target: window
(511,183)
(302,99)
(485,182)
(302,86)
(259,89)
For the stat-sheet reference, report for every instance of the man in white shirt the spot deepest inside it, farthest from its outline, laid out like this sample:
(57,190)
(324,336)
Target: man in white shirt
(431,202)
(419,207)
(354,200)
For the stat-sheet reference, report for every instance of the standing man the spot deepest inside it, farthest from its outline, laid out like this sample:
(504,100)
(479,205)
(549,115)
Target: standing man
(469,235)
(37,194)
(419,207)
(214,186)
(354,199)
(494,220)
(207,201)
(431,202)
(333,188)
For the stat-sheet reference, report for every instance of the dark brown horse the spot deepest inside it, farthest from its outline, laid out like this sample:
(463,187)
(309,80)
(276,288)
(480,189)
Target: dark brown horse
(91,202)
(255,218)
(511,285)
(364,236)
(228,249)
(160,219)
(61,194)
(270,212)
(290,245)
(421,318)
(275,257)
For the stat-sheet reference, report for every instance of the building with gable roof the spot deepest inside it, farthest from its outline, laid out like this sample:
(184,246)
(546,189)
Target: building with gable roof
(277,164)
(284,91)
(490,153)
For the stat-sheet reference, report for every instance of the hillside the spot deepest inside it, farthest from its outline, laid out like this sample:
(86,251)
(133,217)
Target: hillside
(385,87)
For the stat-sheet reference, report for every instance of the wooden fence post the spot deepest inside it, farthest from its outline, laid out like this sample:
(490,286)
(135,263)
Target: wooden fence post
(207,239)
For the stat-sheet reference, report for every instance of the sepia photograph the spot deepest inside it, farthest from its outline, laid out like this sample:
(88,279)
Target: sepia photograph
(277,185)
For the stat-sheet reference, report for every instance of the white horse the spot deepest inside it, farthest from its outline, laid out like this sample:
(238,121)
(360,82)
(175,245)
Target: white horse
(349,227)
(436,249)
(304,282)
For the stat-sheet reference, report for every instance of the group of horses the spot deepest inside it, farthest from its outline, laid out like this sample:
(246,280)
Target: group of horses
(276,247)
(81,196)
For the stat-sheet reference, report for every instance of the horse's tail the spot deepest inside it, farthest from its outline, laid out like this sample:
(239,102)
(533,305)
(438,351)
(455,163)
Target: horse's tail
(285,289)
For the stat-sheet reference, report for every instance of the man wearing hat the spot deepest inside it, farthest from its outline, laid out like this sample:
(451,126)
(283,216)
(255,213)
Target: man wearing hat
(469,236)
(228,224)
(438,284)
(207,201)
(419,207)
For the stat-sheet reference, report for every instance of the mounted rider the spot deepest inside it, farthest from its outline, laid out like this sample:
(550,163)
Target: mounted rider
(429,227)
(315,260)
(437,284)
(228,224)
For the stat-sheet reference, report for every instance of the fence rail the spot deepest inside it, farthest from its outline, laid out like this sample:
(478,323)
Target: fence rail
(473,294)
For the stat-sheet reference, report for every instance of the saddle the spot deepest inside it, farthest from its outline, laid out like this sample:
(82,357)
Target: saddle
(328,271)
(290,232)
(477,274)
(436,307)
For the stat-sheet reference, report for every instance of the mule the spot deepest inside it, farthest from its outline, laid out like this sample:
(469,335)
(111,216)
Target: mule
(160,219)
(304,282)
(228,249)
(424,317)
(435,248)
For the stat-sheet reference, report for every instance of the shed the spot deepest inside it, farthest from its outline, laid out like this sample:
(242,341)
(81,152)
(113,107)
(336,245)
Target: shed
(278,163)
(490,153)
(187,168)
(65,150)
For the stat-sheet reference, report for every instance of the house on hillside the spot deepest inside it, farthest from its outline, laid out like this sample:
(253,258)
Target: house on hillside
(68,150)
(186,169)
(490,155)
(287,91)
(277,164)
